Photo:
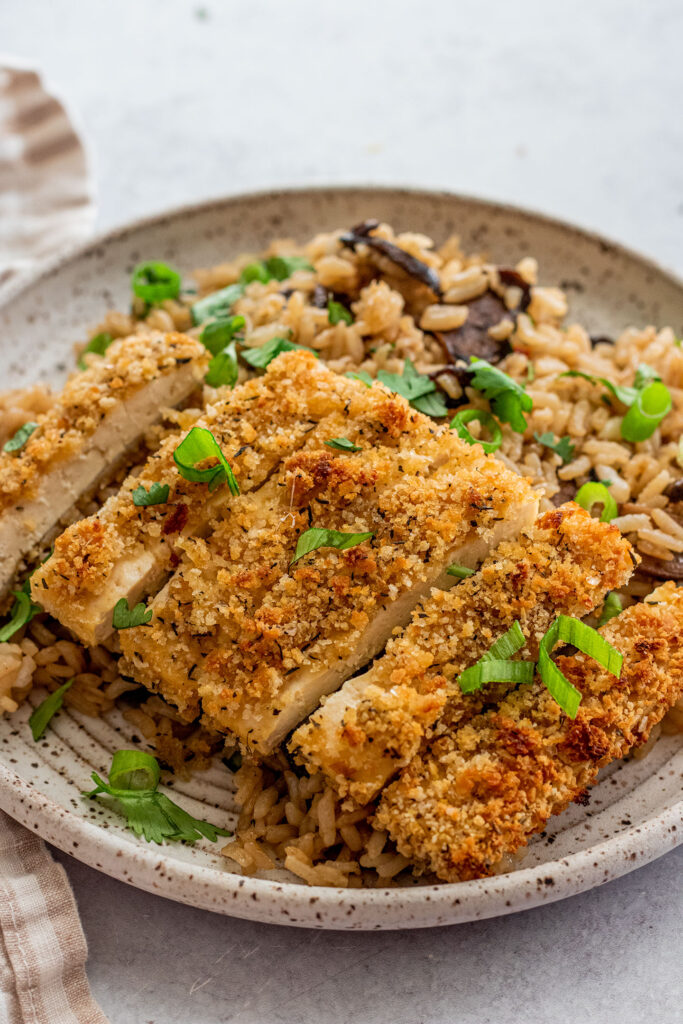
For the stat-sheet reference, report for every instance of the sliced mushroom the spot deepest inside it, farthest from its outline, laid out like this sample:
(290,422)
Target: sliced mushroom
(410,265)
(566,493)
(473,338)
(674,493)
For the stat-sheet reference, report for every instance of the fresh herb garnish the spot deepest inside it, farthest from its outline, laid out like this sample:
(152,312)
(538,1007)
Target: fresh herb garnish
(17,442)
(219,333)
(23,610)
(465,416)
(255,272)
(263,355)
(126,618)
(572,631)
(218,336)
(594,493)
(564,448)
(338,313)
(611,607)
(133,781)
(316,538)
(648,401)
(418,389)
(99,345)
(216,305)
(461,572)
(362,375)
(282,267)
(197,446)
(44,713)
(156,495)
(153,282)
(342,444)
(495,666)
(508,399)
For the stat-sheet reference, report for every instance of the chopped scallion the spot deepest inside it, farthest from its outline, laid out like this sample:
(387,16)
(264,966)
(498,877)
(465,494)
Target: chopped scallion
(572,631)
(465,416)
(650,407)
(45,712)
(153,282)
(197,446)
(23,610)
(594,493)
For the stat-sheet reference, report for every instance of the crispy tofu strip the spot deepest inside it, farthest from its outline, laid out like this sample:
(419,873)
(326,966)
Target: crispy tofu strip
(101,413)
(479,793)
(127,551)
(363,734)
(274,638)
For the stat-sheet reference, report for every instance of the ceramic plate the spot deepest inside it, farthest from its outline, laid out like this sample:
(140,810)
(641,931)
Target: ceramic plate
(635,813)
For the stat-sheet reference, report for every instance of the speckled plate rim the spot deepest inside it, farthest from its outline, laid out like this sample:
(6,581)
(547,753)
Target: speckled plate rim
(293,903)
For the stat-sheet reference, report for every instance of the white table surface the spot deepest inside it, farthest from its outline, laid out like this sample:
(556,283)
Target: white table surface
(573,109)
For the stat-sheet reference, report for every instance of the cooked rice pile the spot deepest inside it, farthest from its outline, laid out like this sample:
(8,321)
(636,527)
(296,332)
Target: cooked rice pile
(291,818)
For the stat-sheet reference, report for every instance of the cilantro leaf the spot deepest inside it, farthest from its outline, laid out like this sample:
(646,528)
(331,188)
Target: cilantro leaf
(17,442)
(99,345)
(282,267)
(316,538)
(338,313)
(149,813)
(223,369)
(564,448)
(417,388)
(508,399)
(125,617)
(219,333)
(342,444)
(362,375)
(44,713)
(255,272)
(263,355)
(217,304)
(154,281)
(156,495)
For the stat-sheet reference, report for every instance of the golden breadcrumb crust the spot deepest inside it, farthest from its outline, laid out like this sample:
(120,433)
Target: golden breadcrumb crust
(86,399)
(564,564)
(236,621)
(476,794)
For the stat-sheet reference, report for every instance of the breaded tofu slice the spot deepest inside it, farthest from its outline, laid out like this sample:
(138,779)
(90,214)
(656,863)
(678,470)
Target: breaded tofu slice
(101,412)
(127,551)
(275,637)
(479,793)
(363,734)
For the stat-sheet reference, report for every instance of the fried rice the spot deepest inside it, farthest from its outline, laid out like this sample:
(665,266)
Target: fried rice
(289,818)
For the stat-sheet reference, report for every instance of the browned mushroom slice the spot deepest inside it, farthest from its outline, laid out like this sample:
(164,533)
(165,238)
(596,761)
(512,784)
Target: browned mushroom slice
(410,265)
(473,338)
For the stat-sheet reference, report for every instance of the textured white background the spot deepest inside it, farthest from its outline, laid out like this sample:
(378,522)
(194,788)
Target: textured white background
(570,108)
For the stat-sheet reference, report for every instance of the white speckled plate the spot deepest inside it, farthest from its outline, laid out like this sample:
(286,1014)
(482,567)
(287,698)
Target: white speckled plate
(635,813)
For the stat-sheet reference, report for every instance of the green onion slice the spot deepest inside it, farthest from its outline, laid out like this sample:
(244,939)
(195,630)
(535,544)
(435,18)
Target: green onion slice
(594,493)
(99,345)
(44,713)
(23,610)
(134,769)
(572,631)
(342,444)
(652,404)
(17,442)
(509,643)
(461,572)
(338,313)
(612,606)
(465,416)
(153,282)
(217,304)
(282,267)
(197,446)
(316,538)
(495,671)
(263,355)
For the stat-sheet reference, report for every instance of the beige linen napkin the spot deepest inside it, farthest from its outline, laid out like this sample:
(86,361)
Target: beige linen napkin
(45,205)
(42,946)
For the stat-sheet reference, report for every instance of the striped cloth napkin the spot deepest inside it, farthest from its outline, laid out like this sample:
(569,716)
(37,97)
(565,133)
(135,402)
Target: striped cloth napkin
(46,204)
(42,946)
